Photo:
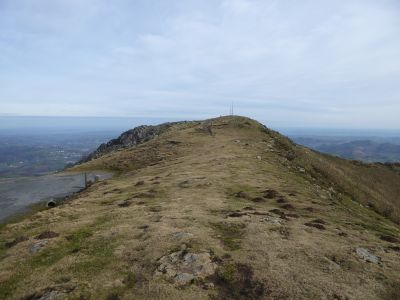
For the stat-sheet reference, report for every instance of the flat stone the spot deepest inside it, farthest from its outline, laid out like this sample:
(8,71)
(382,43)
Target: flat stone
(36,247)
(182,235)
(366,255)
(183,278)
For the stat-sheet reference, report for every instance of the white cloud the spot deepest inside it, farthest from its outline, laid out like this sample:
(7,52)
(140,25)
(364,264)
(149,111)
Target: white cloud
(314,61)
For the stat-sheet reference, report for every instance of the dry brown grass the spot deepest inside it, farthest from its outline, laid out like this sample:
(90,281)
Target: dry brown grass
(112,234)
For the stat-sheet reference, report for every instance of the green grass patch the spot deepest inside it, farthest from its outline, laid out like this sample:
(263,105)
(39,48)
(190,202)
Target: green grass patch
(8,286)
(230,234)
(368,219)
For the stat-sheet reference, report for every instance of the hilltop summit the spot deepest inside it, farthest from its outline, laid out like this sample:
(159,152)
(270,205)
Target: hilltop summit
(217,209)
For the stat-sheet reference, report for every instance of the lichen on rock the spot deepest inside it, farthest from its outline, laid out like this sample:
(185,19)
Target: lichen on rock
(183,267)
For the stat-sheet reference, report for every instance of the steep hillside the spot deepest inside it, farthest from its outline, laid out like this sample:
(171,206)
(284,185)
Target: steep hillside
(219,209)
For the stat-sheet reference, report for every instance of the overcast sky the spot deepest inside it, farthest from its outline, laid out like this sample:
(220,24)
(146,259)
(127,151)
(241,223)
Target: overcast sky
(309,63)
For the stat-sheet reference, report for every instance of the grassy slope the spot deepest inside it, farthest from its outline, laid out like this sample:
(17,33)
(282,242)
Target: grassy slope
(105,249)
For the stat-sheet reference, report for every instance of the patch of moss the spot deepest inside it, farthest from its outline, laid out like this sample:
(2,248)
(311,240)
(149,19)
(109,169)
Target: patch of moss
(99,252)
(227,272)
(230,234)
(78,239)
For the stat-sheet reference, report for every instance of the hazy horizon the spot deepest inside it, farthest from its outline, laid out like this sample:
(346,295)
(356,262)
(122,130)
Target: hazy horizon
(73,124)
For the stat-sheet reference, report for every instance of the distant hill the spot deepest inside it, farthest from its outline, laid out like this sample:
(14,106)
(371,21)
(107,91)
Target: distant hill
(365,150)
(217,209)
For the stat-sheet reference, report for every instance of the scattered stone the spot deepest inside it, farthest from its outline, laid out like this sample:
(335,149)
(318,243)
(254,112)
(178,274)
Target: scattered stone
(16,241)
(366,255)
(183,267)
(47,235)
(389,238)
(315,225)
(208,285)
(259,157)
(36,247)
(282,230)
(341,233)
(292,194)
(139,183)
(174,142)
(273,220)
(310,209)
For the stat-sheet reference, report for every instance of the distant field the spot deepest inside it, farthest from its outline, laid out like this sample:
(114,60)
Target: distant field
(38,154)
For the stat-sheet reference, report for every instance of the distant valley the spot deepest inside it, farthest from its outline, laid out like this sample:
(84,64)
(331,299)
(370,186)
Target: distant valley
(367,149)
(39,154)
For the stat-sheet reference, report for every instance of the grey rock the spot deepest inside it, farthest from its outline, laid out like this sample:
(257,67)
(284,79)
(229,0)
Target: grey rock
(183,278)
(135,136)
(36,247)
(366,255)
(183,267)
(53,295)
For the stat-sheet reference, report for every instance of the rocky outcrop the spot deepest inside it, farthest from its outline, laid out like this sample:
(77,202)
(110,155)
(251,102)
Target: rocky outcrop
(133,137)
(183,267)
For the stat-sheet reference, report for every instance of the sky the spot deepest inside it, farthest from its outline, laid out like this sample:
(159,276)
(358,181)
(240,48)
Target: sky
(287,63)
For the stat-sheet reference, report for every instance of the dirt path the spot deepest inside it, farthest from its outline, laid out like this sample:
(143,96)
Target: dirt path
(18,193)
